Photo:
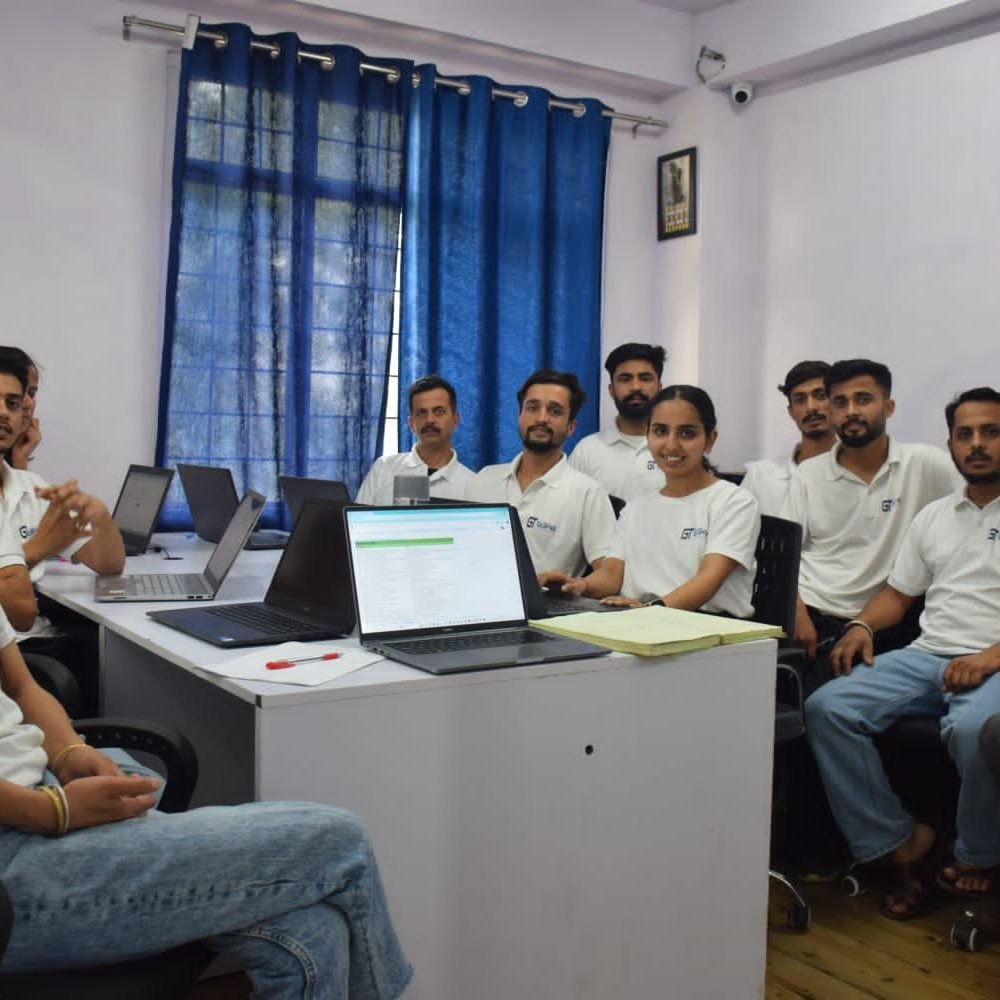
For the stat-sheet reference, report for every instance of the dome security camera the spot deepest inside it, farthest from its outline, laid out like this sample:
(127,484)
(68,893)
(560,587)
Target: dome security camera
(741,93)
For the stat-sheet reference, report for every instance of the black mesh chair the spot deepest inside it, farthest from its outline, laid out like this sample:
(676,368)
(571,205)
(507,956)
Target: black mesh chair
(166,976)
(775,587)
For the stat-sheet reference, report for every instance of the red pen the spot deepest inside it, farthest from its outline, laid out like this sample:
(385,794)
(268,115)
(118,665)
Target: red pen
(281,664)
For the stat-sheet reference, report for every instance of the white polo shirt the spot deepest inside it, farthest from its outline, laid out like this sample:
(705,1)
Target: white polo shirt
(664,539)
(22,755)
(951,553)
(451,482)
(767,479)
(621,463)
(567,517)
(851,530)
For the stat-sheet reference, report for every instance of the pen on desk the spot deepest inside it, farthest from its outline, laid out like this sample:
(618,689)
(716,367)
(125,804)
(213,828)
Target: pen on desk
(281,664)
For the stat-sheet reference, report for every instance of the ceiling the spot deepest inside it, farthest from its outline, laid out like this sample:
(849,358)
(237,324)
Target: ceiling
(690,6)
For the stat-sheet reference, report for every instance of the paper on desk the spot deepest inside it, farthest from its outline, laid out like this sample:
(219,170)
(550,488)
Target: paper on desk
(253,666)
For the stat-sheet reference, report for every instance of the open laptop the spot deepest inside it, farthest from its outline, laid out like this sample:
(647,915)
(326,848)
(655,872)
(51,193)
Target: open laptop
(437,587)
(309,596)
(211,497)
(296,489)
(139,504)
(187,586)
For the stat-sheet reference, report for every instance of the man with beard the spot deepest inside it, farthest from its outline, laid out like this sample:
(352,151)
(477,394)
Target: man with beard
(949,554)
(618,457)
(809,408)
(854,503)
(433,419)
(567,518)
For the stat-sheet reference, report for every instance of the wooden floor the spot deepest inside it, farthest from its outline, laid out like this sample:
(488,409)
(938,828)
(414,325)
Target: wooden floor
(853,952)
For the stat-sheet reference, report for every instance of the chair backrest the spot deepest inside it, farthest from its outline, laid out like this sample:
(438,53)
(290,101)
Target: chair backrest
(776,584)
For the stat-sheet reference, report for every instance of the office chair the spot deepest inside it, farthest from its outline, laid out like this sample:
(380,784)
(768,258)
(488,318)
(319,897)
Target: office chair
(775,587)
(166,976)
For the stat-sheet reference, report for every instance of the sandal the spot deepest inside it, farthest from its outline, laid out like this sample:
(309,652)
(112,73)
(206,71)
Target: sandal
(956,871)
(908,896)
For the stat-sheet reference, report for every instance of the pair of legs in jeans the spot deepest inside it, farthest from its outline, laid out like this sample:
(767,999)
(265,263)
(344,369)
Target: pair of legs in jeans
(291,888)
(843,715)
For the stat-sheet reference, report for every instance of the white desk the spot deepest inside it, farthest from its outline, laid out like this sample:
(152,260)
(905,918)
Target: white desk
(596,830)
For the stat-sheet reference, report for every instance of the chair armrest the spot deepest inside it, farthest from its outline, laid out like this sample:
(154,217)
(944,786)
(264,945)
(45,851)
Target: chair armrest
(57,679)
(789,686)
(172,748)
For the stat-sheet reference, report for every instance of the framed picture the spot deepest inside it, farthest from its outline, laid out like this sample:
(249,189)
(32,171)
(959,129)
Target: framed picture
(676,194)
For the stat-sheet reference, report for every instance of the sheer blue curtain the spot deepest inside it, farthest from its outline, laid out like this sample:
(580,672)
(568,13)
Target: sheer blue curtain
(502,250)
(287,190)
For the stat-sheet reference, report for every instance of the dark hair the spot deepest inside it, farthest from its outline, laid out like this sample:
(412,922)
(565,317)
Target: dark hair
(804,371)
(13,361)
(427,384)
(842,371)
(656,356)
(983,394)
(699,399)
(549,376)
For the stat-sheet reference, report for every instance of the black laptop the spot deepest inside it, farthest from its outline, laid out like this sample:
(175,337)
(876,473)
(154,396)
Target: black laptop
(296,489)
(139,503)
(309,596)
(211,497)
(437,587)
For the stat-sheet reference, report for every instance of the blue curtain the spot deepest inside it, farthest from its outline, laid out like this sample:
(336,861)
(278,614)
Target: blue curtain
(502,248)
(287,191)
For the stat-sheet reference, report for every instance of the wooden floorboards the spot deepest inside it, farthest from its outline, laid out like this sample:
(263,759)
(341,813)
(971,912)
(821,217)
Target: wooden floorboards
(852,952)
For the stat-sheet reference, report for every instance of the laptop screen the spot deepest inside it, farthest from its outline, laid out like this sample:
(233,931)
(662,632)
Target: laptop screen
(234,538)
(433,567)
(140,499)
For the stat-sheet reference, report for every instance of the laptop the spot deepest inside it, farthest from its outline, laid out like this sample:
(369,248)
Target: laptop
(187,586)
(139,503)
(437,587)
(211,497)
(309,596)
(296,489)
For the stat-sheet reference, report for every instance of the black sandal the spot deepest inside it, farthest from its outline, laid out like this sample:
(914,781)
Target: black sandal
(908,896)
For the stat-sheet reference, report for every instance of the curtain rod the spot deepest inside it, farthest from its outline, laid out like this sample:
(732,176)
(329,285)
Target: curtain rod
(191,30)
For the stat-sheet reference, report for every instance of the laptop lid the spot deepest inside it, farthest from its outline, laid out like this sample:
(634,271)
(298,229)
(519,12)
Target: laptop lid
(233,539)
(139,502)
(433,569)
(296,489)
(211,497)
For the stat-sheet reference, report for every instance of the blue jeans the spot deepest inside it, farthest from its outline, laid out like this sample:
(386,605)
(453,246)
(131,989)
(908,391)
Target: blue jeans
(843,715)
(291,888)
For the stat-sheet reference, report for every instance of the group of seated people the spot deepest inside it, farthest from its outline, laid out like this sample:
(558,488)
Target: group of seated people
(899,583)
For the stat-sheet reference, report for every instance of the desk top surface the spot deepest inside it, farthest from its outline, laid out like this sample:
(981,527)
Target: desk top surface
(73,586)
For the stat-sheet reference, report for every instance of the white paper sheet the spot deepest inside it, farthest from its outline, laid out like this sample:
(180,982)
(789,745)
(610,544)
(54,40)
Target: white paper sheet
(252,666)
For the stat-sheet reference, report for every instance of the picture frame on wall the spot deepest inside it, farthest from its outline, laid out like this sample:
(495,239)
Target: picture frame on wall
(677,194)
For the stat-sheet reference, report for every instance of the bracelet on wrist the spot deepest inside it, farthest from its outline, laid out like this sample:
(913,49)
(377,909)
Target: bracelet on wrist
(65,752)
(860,624)
(57,797)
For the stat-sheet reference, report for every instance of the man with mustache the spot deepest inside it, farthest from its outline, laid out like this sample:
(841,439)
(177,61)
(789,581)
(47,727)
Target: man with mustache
(567,517)
(809,407)
(949,553)
(433,419)
(854,503)
(618,457)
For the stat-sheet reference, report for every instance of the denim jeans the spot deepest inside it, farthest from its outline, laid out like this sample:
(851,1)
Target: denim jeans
(291,888)
(843,715)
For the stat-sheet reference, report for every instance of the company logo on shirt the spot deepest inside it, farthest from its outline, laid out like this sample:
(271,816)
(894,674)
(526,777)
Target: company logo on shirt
(25,532)
(650,465)
(993,534)
(888,505)
(688,533)
(537,522)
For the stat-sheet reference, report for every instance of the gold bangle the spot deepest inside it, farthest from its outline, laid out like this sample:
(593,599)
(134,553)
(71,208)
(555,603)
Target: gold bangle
(69,748)
(57,801)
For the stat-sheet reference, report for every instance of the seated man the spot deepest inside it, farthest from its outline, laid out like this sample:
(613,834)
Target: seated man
(291,889)
(433,419)
(948,554)
(567,517)
(809,407)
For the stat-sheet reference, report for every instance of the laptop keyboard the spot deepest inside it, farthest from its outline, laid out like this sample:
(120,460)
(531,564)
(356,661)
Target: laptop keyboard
(160,584)
(471,640)
(261,617)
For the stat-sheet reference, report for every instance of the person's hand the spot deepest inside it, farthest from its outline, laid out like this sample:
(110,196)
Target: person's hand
(966,672)
(85,762)
(62,523)
(561,583)
(619,601)
(24,447)
(805,632)
(103,799)
(854,643)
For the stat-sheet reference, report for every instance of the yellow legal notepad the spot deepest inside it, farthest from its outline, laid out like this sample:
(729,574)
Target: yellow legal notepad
(657,631)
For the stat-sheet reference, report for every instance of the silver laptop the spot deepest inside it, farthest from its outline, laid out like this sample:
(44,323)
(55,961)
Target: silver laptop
(139,504)
(437,587)
(188,586)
